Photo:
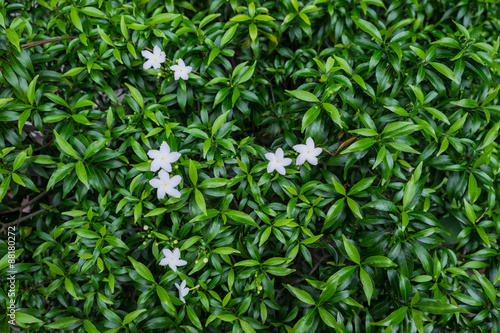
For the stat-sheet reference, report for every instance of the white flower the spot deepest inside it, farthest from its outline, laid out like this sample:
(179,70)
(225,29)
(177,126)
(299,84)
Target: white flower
(183,290)
(205,260)
(163,157)
(165,184)
(172,259)
(277,161)
(181,70)
(307,152)
(155,59)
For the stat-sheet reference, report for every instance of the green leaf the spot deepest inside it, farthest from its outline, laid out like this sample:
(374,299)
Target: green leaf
(219,122)
(488,287)
(131,316)
(361,185)
(367,27)
(302,295)
(438,114)
(436,307)
(142,270)
(457,125)
(24,318)
(75,19)
(394,318)
(379,261)
(20,158)
(445,70)
(228,35)
(241,217)
(92,11)
(333,112)
(136,95)
(343,64)
(359,145)
(82,173)
(13,38)
(351,250)
(89,327)
(310,116)
(466,103)
(31,90)
(193,172)
(163,18)
(73,71)
(303,95)
(246,327)
(65,146)
(367,283)
(105,36)
(200,201)
(63,323)
(123,27)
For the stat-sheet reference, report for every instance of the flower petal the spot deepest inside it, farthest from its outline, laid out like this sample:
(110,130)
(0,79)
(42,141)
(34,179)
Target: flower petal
(184,76)
(164,262)
(300,148)
(167,253)
(173,192)
(148,64)
(164,148)
(156,64)
(161,192)
(286,161)
(177,75)
(173,157)
(181,262)
(181,63)
(154,153)
(157,51)
(189,69)
(156,165)
(172,265)
(301,159)
(174,68)
(279,154)
(174,181)
(271,166)
(312,160)
(281,169)
(165,165)
(316,151)
(146,54)
(177,253)
(164,176)
(183,284)
(155,182)
(310,143)
(270,156)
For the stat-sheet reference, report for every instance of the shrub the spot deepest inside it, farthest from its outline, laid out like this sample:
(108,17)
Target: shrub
(395,229)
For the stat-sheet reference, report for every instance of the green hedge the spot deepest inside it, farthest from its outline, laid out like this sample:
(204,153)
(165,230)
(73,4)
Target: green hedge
(394,229)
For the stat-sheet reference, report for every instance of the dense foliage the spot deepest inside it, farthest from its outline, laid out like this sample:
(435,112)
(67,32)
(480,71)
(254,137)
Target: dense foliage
(395,229)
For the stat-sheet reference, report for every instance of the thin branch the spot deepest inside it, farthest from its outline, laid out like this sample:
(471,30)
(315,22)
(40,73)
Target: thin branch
(38,197)
(18,221)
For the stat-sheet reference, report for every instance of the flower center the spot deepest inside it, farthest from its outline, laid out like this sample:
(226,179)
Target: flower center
(164,159)
(172,259)
(164,185)
(277,161)
(154,59)
(180,70)
(307,152)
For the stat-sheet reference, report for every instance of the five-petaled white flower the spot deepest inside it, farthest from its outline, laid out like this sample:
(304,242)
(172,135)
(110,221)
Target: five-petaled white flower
(163,157)
(172,259)
(165,184)
(277,161)
(307,152)
(183,290)
(181,70)
(155,59)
